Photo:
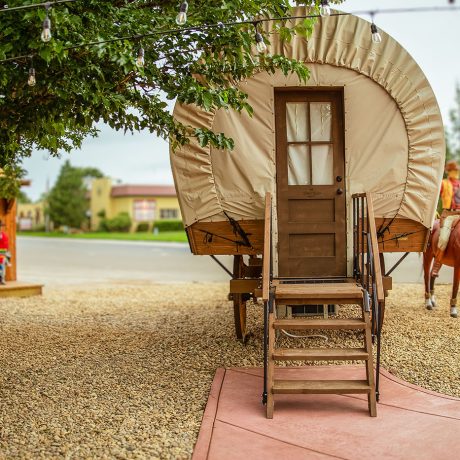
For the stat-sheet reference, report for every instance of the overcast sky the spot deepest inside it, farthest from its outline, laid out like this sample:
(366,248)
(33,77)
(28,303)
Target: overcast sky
(432,39)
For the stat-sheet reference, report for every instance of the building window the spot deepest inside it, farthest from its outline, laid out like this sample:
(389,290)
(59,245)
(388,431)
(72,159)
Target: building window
(144,210)
(169,214)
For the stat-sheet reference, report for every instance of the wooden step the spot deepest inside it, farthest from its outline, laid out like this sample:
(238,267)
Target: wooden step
(319,324)
(315,291)
(320,387)
(320,354)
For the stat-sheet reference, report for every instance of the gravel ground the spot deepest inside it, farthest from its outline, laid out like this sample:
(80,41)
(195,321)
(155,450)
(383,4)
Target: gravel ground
(124,372)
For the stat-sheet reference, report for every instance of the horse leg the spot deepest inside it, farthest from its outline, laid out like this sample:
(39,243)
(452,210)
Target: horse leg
(427,261)
(432,297)
(437,264)
(453,301)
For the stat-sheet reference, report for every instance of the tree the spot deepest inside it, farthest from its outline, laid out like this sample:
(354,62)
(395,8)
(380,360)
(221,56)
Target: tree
(23,198)
(78,86)
(453,135)
(67,200)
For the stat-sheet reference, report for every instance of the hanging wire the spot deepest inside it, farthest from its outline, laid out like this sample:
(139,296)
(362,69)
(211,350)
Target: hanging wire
(6,8)
(309,336)
(229,24)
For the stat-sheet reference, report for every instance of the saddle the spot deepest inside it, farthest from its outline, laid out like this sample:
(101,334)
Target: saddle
(448,221)
(446,213)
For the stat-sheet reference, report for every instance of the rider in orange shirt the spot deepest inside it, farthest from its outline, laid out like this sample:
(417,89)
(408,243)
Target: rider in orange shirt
(450,187)
(450,197)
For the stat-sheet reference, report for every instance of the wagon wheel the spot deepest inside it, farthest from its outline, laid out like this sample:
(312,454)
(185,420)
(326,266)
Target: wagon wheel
(239,302)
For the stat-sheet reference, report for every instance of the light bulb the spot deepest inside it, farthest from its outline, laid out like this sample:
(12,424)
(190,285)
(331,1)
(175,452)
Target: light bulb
(261,47)
(376,37)
(46,33)
(325,9)
(32,80)
(181,18)
(140,61)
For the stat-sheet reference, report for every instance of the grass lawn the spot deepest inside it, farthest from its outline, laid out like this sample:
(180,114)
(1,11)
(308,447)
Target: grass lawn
(178,237)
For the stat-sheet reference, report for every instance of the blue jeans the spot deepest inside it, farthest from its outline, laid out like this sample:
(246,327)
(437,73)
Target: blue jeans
(3,269)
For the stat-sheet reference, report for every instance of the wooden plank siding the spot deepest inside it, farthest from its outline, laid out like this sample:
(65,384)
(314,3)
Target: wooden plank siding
(403,235)
(218,238)
(8,217)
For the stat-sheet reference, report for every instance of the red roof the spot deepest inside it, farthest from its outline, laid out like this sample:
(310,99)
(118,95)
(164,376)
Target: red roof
(143,190)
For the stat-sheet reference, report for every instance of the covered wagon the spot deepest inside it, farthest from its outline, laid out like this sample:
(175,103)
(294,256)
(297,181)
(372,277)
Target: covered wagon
(324,179)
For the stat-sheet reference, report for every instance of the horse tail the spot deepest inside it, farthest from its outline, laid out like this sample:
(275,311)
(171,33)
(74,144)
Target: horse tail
(444,234)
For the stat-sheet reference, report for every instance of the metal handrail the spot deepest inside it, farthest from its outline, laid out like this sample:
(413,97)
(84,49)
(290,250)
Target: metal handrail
(267,255)
(366,260)
(267,293)
(366,265)
(375,248)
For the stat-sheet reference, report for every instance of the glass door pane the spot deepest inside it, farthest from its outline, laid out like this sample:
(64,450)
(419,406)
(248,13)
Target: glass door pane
(320,118)
(297,121)
(299,164)
(322,159)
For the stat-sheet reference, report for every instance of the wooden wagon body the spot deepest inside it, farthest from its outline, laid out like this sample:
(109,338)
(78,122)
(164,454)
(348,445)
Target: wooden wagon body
(366,121)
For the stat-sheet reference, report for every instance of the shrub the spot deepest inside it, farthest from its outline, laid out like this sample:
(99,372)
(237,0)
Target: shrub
(142,227)
(119,223)
(35,228)
(103,227)
(169,225)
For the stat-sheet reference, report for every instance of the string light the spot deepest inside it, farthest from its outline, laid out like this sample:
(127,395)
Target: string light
(31,81)
(261,47)
(325,9)
(140,61)
(46,33)
(181,18)
(376,37)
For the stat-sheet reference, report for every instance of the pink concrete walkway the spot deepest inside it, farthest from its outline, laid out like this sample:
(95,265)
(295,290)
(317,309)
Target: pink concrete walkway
(412,423)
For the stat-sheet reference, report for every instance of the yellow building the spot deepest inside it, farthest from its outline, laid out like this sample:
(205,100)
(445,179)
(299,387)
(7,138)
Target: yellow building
(31,216)
(143,203)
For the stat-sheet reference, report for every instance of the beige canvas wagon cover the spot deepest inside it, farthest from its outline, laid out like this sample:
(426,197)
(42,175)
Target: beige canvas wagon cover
(394,136)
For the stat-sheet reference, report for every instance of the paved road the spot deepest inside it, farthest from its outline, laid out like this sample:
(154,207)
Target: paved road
(55,261)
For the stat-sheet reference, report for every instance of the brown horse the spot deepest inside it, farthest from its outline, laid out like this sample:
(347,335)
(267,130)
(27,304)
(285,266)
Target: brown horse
(446,240)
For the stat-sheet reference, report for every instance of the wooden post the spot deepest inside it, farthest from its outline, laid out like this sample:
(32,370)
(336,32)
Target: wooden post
(8,217)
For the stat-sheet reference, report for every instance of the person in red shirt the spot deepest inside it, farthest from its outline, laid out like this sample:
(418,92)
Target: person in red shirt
(4,253)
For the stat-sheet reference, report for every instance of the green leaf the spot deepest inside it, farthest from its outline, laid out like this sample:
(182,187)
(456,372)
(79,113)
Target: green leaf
(78,87)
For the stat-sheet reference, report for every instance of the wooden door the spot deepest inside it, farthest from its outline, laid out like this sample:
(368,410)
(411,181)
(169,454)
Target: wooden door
(310,179)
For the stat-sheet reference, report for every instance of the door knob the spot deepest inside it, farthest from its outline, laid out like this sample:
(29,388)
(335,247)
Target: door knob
(339,191)
(338,178)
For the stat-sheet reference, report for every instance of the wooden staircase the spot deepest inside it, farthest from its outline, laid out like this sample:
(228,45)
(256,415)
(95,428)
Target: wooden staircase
(305,294)
(365,290)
